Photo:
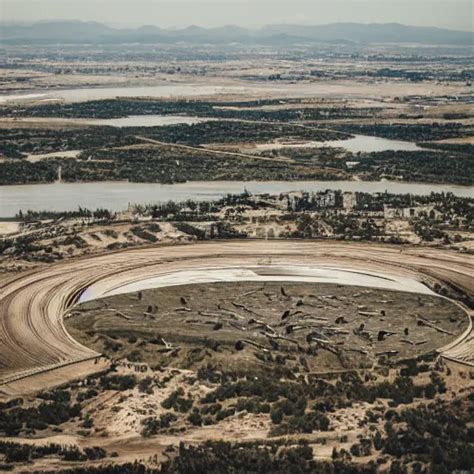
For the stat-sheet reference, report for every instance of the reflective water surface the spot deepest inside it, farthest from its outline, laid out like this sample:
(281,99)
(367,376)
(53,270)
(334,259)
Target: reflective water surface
(117,195)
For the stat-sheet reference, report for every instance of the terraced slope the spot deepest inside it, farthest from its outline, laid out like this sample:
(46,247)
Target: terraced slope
(32,305)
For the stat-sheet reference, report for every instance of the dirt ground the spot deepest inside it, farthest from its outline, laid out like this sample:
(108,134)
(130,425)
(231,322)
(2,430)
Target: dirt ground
(36,300)
(9,228)
(334,327)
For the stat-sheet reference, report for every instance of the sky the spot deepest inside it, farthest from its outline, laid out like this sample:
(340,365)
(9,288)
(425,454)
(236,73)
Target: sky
(453,14)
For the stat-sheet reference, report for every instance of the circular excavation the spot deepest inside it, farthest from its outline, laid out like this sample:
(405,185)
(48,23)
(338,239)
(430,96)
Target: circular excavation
(311,327)
(35,341)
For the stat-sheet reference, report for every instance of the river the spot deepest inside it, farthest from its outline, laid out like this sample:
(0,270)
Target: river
(117,195)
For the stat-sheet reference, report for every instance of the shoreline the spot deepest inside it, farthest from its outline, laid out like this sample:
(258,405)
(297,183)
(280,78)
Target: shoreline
(415,183)
(117,196)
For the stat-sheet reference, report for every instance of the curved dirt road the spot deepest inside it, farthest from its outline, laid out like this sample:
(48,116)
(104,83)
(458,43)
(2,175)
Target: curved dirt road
(33,338)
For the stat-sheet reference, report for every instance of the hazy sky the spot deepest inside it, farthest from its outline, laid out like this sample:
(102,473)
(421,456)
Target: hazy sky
(456,14)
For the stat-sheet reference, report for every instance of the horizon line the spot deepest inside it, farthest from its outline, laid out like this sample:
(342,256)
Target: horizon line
(224,25)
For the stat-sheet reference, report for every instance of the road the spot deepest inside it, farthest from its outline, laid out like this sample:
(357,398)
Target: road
(33,338)
(212,151)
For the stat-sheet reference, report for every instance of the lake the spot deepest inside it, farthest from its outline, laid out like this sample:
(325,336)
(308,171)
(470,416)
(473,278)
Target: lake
(147,121)
(117,195)
(356,144)
(359,143)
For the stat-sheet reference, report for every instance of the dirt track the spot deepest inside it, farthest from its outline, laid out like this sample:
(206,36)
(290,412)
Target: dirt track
(32,305)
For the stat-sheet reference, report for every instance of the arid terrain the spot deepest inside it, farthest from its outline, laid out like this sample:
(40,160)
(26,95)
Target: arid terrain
(145,382)
(354,326)
(156,316)
(235,115)
(37,305)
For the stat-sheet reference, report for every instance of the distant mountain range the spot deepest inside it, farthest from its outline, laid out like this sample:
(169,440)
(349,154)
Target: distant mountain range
(352,33)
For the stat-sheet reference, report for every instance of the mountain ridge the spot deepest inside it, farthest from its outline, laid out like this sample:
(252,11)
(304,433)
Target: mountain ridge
(75,31)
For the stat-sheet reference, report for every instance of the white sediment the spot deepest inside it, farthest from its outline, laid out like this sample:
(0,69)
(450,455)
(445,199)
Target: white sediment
(262,273)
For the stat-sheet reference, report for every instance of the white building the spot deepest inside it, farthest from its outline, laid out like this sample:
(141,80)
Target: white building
(349,200)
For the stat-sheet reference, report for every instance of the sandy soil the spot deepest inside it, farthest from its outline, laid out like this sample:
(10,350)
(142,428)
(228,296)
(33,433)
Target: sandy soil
(233,88)
(9,227)
(54,377)
(463,140)
(58,154)
(227,312)
(35,301)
